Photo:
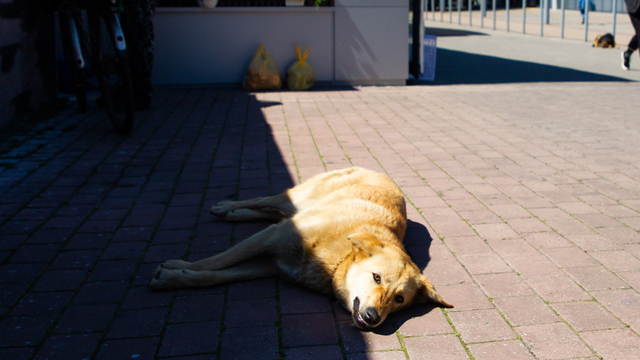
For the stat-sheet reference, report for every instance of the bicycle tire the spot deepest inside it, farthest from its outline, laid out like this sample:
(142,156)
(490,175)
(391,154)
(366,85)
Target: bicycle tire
(112,71)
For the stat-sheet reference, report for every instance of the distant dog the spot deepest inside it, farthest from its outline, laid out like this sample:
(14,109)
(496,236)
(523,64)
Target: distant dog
(340,233)
(605,41)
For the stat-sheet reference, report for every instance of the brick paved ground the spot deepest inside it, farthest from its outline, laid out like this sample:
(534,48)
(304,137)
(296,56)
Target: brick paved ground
(524,203)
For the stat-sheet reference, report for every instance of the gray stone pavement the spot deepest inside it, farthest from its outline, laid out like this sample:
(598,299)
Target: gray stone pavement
(470,54)
(524,201)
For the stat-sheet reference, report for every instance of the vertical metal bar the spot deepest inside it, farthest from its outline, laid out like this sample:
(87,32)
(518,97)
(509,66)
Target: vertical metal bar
(433,10)
(483,11)
(450,16)
(546,11)
(542,17)
(614,13)
(441,10)
(493,5)
(586,20)
(524,16)
(562,20)
(470,13)
(507,3)
(458,4)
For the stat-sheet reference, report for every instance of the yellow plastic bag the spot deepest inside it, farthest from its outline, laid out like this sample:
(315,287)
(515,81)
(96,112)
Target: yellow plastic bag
(300,75)
(262,73)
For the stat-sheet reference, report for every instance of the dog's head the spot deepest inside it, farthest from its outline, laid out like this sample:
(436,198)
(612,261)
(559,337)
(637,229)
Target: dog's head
(381,280)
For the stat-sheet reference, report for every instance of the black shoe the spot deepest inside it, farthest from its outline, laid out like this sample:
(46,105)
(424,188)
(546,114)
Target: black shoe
(626,56)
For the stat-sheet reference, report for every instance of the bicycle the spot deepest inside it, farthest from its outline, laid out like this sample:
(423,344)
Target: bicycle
(101,41)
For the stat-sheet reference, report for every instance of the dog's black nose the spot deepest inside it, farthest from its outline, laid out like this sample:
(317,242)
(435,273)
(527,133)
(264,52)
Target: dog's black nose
(371,316)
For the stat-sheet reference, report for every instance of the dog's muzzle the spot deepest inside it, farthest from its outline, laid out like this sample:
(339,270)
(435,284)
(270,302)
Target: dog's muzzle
(364,320)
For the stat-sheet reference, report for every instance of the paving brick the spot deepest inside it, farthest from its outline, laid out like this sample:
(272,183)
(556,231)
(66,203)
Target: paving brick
(614,344)
(81,259)
(143,348)
(557,288)
(109,292)
(486,263)
(617,260)
(16,353)
(35,253)
(59,280)
(124,250)
(189,339)
(88,241)
(85,318)
(138,323)
(261,288)
(554,341)
(47,303)
(504,285)
(72,346)
(465,296)
(513,350)
(252,312)
(314,352)
(197,308)
(526,310)
(435,347)
(296,300)
(355,340)
(421,320)
(24,331)
(624,304)
(160,253)
(114,270)
(481,326)
(382,355)
(596,278)
(250,343)
(547,240)
(308,330)
(585,316)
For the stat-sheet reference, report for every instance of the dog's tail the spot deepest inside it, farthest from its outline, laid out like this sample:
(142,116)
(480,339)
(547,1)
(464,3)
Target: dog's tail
(428,293)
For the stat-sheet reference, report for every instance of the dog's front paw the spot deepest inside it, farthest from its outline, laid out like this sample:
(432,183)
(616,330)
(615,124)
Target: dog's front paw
(221,209)
(174,264)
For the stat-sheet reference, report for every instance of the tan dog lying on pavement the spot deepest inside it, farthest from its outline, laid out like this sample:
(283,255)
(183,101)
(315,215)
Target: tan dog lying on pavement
(339,233)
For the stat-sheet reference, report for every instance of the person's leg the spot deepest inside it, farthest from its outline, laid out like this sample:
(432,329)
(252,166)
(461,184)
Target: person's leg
(633,44)
(138,27)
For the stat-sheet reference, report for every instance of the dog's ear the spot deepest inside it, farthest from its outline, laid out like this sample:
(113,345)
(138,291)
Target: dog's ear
(365,241)
(427,293)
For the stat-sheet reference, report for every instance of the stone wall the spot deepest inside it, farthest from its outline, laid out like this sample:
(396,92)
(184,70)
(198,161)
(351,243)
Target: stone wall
(27,68)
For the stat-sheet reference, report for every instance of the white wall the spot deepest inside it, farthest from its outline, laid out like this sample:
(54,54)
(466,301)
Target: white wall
(356,42)
(215,46)
(372,41)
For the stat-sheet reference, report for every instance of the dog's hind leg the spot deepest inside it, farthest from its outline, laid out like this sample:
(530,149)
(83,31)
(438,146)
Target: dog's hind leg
(273,208)
(180,278)
(261,243)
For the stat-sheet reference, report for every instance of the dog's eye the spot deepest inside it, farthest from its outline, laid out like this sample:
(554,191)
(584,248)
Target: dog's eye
(376,278)
(399,299)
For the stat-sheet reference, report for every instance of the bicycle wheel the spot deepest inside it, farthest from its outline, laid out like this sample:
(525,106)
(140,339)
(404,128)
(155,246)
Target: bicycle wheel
(112,70)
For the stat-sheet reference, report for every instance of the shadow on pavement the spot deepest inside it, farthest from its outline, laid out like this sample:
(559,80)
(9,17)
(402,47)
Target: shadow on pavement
(439,32)
(458,68)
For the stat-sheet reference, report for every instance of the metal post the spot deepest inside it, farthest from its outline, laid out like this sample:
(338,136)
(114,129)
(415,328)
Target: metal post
(493,5)
(546,11)
(441,10)
(433,9)
(458,2)
(524,16)
(483,12)
(450,16)
(614,12)
(542,17)
(470,13)
(507,3)
(562,20)
(586,20)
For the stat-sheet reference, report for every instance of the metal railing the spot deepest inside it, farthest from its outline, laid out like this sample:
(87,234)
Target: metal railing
(446,5)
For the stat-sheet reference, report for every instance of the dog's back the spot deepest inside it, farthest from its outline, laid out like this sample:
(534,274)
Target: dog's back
(605,41)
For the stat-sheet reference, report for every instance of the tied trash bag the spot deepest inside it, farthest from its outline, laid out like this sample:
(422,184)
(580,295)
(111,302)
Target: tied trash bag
(262,73)
(300,75)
